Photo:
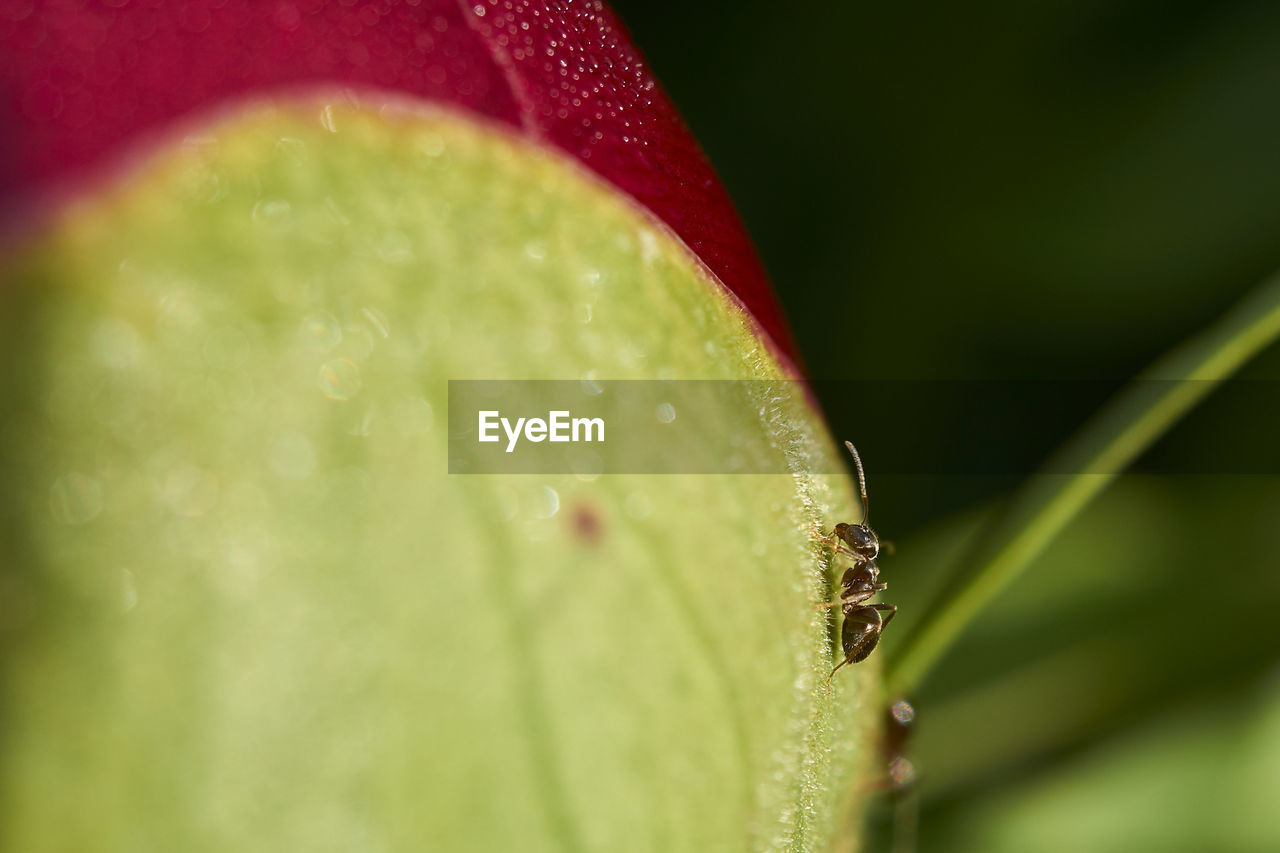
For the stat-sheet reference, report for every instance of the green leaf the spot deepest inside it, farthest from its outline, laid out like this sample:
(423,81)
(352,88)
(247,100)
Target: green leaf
(1202,779)
(1100,638)
(245,605)
(1103,448)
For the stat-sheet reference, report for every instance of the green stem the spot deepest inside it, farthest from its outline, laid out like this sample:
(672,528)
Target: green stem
(1121,430)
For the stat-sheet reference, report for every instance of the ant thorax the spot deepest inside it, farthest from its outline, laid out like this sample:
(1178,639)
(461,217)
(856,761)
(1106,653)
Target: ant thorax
(860,581)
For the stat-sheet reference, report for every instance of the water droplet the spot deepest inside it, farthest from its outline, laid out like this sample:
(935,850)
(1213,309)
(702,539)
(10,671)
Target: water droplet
(115,344)
(326,118)
(590,384)
(536,249)
(431,144)
(190,491)
(586,312)
(174,309)
(586,464)
(546,503)
(362,426)
(241,561)
(335,211)
(902,771)
(340,379)
(321,330)
(394,247)
(632,351)
(648,247)
(292,457)
(359,342)
(128,591)
(638,505)
(378,320)
(292,149)
(273,212)
(903,712)
(412,416)
(202,184)
(75,499)
(666,413)
(506,504)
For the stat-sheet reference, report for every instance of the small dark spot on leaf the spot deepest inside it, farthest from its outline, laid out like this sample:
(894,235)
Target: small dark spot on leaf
(588,527)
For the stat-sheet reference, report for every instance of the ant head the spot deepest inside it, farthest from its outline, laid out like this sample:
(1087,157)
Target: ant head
(861,539)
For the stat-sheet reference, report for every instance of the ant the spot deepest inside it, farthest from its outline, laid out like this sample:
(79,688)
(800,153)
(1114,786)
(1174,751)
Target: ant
(862,622)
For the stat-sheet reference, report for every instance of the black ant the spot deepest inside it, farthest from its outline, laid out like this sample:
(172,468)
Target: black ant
(862,622)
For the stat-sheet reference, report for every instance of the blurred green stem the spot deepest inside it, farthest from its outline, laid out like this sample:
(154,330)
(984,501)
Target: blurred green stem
(1118,433)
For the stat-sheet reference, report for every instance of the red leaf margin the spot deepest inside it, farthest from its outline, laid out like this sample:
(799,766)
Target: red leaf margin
(82,80)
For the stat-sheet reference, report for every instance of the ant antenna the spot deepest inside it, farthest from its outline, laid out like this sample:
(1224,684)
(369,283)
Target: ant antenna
(862,482)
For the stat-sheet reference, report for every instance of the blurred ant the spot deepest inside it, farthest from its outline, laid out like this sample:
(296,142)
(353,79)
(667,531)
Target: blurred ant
(862,622)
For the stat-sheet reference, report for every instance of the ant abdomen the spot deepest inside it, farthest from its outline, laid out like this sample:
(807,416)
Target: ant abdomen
(861,633)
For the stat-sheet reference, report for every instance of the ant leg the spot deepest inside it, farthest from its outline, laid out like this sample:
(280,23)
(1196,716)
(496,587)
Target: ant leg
(827,605)
(830,540)
(891,608)
(833,672)
(815,532)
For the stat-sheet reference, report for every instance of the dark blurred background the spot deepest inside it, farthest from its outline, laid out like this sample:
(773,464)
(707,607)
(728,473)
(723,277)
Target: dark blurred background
(987,190)
(1016,191)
